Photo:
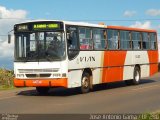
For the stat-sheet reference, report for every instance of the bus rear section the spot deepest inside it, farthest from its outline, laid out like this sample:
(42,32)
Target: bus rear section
(110,54)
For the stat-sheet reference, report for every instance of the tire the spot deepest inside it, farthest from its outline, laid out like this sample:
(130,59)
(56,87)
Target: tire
(128,82)
(42,90)
(85,83)
(136,77)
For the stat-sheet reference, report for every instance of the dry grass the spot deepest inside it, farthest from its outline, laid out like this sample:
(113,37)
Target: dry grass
(6,78)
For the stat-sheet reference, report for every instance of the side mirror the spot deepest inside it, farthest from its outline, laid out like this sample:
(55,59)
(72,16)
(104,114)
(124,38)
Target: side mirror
(9,38)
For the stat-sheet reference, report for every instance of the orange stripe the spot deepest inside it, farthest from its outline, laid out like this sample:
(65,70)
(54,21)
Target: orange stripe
(59,82)
(153,58)
(113,58)
(18,83)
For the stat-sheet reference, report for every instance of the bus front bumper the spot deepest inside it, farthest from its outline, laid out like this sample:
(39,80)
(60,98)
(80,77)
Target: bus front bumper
(57,82)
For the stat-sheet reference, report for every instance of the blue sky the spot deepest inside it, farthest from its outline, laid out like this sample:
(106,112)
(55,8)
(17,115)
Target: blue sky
(76,10)
(83,9)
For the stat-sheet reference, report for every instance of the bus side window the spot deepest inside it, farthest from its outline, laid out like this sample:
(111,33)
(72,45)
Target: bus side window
(153,45)
(99,38)
(125,40)
(136,40)
(112,39)
(85,38)
(145,41)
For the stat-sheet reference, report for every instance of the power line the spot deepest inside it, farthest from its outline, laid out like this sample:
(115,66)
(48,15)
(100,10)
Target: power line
(3,35)
(15,18)
(95,20)
(116,20)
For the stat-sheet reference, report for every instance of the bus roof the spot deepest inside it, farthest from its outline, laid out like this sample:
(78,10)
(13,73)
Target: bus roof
(131,29)
(66,22)
(94,25)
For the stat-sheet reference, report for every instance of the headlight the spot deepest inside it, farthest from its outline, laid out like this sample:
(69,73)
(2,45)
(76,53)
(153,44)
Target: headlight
(57,75)
(64,75)
(20,75)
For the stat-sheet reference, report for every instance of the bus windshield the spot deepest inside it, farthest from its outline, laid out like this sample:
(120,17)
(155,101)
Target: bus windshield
(39,46)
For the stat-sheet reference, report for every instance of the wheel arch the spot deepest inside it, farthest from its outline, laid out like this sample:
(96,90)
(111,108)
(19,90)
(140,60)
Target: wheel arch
(88,70)
(138,66)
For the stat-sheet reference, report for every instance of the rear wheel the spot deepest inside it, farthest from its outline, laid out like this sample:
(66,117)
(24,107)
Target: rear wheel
(136,77)
(42,90)
(85,83)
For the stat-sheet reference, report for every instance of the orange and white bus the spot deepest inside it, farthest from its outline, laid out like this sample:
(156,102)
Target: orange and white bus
(52,53)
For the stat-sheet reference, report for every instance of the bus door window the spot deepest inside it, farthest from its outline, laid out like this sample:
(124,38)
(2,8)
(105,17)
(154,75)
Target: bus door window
(72,38)
(85,39)
(21,46)
(72,42)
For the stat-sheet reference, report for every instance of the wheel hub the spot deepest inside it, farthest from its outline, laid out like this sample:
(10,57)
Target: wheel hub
(85,82)
(137,76)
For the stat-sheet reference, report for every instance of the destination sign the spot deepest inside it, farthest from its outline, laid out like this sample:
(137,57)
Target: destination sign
(22,27)
(46,26)
(38,26)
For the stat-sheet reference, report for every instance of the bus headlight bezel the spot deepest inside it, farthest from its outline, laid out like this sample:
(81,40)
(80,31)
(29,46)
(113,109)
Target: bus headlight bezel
(20,76)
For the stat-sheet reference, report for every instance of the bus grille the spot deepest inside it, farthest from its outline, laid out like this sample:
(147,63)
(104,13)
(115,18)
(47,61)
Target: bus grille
(37,75)
(37,70)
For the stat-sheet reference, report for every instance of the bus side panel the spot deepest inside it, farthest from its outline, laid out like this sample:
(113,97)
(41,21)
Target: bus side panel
(85,59)
(113,66)
(136,58)
(153,61)
(74,78)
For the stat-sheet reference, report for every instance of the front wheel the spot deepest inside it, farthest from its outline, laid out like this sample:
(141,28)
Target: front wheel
(42,90)
(85,83)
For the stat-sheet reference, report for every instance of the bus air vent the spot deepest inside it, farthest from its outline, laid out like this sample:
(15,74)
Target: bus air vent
(37,70)
(38,75)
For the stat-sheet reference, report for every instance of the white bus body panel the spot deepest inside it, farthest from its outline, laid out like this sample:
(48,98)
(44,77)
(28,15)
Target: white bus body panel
(85,59)
(133,58)
(40,67)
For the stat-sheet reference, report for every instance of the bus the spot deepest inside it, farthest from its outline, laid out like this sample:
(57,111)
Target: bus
(159,54)
(53,53)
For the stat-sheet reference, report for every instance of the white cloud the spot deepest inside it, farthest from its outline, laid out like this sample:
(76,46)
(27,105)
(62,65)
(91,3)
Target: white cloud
(153,12)
(6,25)
(145,25)
(158,26)
(128,13)
(10,13)
(6,50)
